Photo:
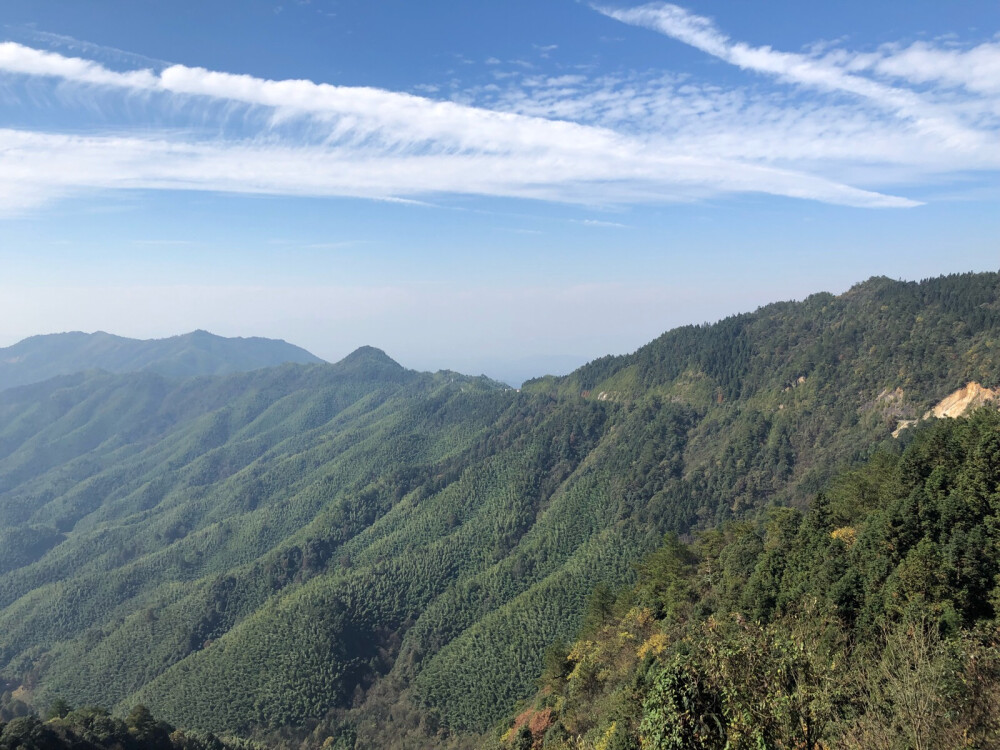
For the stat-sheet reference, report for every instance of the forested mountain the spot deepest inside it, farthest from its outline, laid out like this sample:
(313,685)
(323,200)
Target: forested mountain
(360,555)
(39,358)
(867,623)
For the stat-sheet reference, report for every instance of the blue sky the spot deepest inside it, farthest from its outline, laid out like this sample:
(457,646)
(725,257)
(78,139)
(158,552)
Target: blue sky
(509,187)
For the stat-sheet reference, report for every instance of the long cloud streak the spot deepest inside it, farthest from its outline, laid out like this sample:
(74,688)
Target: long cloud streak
(381,144)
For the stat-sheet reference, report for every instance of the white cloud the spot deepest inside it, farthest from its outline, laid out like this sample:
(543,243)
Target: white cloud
(16,58)
(570,138)
(949,125)
(755,126)
(604,224)
(976,69)
(34,166)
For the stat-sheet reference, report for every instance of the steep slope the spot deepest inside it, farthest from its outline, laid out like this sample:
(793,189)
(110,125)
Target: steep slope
(382,557)
(907,332)
(804,377)
(198,353)
(869,622)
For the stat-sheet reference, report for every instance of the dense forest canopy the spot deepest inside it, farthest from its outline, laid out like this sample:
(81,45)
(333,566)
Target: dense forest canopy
(867,622)
(365,555)
(65,728)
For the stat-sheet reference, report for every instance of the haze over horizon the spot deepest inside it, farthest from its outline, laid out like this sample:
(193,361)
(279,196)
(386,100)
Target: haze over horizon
(488,187)
(513,370)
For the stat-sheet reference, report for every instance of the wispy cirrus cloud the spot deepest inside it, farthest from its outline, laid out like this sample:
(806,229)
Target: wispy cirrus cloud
(36,167)
(842,140)
(976,69)
(603,224)
(569,137)
(819,72)
(957,127)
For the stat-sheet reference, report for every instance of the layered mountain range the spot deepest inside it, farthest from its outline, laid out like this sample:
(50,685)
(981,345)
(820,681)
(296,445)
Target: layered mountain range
(357,553)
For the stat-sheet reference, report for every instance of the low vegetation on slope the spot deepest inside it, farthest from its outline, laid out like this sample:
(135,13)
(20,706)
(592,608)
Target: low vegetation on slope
(364,555)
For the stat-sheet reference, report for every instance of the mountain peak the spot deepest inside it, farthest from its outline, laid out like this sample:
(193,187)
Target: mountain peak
(370,355)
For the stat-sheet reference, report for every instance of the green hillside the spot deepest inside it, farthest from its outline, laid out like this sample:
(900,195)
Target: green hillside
(364,555)
(39,358)
(869,622)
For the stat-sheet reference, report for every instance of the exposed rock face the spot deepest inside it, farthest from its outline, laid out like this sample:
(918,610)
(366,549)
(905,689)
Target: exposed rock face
(962,400)
(955,405)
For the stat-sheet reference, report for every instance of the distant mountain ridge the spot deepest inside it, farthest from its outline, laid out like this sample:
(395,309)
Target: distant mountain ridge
(39,358)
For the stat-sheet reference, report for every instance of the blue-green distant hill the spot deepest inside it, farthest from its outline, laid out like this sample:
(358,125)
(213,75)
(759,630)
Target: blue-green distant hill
(198,353)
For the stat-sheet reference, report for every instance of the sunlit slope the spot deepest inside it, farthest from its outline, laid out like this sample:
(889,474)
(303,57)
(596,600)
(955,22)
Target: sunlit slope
(178,490)
(816,629)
